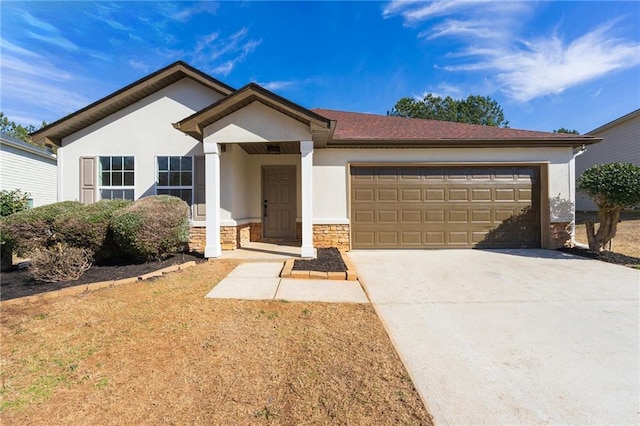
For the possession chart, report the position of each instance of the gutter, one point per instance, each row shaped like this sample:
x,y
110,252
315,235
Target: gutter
x,y
572,190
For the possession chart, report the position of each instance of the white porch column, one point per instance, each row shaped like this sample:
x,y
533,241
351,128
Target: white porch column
x,y
212,198
306,172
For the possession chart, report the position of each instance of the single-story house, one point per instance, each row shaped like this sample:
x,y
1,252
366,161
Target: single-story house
x,y
28,168
255,166
621,143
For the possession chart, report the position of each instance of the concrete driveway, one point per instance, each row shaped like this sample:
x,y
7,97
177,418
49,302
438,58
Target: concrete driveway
x,y
511,336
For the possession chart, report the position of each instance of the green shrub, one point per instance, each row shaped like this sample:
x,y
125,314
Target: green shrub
x,y
60,263
34,229
614,187
89,227
13,201
152,227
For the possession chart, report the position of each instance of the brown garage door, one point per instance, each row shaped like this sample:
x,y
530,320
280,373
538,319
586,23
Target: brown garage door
x,y
445,207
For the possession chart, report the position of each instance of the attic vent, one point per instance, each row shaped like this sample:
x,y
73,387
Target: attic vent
x,y
273,149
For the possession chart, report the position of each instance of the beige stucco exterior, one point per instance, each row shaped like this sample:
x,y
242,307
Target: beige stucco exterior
x,y
331,173
142,130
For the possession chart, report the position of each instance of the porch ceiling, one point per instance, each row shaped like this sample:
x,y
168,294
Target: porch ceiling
x,y
263,147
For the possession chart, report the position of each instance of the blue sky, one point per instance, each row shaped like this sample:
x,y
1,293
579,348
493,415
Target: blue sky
x,y
548,64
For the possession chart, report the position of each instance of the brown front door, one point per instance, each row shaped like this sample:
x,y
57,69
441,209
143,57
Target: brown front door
x,y
279,201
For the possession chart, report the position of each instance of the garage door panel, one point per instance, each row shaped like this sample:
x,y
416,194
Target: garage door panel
x,y
411,216
505,194
436,194
387,238
411,238
458,238
409,195
457,194
458,216
481,194
384,195
524,194
440,207
434,216
364,216
388,216
364,195
434,238
481,216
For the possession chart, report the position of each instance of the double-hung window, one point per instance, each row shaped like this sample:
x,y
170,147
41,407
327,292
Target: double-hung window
x,y
117,177
175,177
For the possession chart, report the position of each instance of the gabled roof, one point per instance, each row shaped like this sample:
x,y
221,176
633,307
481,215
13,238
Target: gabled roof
x,y
244,96
358,129
615,122
54,132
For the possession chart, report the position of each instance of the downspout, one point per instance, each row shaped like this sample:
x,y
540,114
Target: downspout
x,y
572,190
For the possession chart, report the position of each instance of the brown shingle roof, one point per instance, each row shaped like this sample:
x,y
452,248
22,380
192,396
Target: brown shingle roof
x,y
353,126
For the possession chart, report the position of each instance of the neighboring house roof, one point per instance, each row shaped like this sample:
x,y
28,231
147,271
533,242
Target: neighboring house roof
x,y
24,146
54,132
371,129
244,96
615,122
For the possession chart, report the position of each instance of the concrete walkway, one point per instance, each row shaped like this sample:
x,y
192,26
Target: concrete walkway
x,y
261,281
511,336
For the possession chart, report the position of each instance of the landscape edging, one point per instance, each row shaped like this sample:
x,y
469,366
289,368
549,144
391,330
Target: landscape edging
x,y
349,275
91,287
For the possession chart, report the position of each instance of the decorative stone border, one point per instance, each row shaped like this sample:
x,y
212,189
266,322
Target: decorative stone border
x,y
350,275
88,288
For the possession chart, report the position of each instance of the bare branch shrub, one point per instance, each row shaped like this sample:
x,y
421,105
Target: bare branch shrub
x,y
60,263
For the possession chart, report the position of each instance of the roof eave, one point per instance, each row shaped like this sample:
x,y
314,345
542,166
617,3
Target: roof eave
x,y
248,94
53,133
464,143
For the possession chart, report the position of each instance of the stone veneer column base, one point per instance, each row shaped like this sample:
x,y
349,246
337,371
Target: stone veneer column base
x,y
560,233
325,236
231,237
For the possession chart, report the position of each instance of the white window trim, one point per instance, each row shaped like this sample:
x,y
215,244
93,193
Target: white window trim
x,y
157,177
100,187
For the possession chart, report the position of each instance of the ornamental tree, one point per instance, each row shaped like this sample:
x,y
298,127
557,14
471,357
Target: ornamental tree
x,y
613,187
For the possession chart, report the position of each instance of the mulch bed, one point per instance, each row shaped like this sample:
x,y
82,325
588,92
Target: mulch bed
x,y
605,256
19,282
328,260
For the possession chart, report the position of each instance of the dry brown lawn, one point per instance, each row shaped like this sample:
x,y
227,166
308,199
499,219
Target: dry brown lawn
x,y
627,239
157,352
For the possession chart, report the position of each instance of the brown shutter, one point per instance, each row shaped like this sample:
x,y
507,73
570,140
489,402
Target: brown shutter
x,y
199,189
87,180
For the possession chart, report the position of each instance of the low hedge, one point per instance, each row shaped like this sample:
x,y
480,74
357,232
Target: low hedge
x,y
89,227
34,229
152,228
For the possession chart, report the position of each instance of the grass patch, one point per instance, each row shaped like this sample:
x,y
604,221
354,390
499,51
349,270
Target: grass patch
x,y
157,352
627,236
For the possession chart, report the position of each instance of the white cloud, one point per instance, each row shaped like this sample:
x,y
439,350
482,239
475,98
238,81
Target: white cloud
x,y
55,40
443,90
278,85
224,69
139,65
549,66
231,50
522,68
184,15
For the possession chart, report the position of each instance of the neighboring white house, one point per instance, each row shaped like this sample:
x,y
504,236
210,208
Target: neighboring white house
x,y
28,168
621,143
255,166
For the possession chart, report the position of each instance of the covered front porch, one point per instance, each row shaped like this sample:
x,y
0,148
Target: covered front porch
x,y
258,171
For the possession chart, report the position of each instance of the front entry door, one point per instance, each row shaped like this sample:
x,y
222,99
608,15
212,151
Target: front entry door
x,y
279,201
